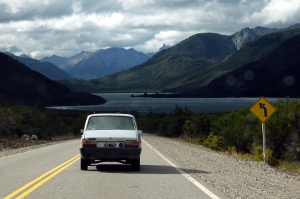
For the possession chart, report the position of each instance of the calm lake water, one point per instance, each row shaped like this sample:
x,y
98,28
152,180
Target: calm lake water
x,y
124,102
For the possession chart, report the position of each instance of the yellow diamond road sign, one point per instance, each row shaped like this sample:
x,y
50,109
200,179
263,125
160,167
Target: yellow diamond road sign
x,y
262,109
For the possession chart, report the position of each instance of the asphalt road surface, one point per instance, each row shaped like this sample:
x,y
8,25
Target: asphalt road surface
x,y
54,172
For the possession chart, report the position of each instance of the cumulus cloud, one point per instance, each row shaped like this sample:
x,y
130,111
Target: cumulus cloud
x,y
65,28
17,10
276,11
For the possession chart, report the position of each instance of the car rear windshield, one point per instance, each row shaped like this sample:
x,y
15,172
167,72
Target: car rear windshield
x,y
110,123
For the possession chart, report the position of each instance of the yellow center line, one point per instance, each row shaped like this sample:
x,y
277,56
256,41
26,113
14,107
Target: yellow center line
x,y
54,172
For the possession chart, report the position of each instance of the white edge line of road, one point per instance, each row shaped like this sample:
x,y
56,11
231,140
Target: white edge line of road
x,y
191,179
36,149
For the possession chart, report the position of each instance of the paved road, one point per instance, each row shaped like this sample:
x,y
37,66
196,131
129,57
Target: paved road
x,y
53,172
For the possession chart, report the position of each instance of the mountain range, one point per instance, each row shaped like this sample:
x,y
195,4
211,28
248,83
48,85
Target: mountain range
x,y
86,65
65,63
203,65
46,68
276,74
194,63
22,86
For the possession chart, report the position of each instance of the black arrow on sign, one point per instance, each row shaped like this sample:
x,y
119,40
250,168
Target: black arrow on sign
x,y
262,106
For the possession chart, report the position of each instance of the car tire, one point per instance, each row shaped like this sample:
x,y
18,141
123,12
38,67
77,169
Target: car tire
x,y
136,164
83,164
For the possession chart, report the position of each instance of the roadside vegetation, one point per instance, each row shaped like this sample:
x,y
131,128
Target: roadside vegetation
x,y
46,124
237,133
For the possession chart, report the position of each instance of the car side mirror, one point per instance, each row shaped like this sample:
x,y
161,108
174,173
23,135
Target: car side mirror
x,y
140,132
81,131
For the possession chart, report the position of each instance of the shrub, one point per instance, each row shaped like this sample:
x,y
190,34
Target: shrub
x,y
189,129
271,160
214,142
232,150
258,155
196,140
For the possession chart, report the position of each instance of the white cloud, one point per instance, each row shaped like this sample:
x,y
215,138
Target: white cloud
x,y
121,37
43,28
278,11
172,35
134,4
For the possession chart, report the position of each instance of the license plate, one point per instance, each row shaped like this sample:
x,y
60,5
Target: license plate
x,y
110,144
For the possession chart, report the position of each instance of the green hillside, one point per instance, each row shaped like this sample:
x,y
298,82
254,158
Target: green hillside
x,y
193,63
251,52
275,75
168,68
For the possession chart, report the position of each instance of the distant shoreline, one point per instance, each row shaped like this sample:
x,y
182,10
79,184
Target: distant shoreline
x,y
162,95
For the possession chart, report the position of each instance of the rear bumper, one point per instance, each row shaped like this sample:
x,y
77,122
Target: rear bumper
x,y
110,153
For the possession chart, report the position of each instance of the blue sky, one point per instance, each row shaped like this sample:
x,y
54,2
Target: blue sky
x,y
42,28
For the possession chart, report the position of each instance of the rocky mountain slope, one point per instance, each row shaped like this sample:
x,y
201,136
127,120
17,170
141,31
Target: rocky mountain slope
x,y
247,35
66,63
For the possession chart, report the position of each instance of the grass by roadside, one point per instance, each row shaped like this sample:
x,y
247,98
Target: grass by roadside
x,y
289,166
254,156
281,165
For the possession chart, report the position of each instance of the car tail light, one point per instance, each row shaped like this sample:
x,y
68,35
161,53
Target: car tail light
x,y
132,144
88,143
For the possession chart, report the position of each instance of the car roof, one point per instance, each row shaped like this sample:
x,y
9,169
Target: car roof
x,y
111,114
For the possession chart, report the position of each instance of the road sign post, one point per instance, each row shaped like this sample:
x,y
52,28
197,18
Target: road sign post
x,y
263,126
263,110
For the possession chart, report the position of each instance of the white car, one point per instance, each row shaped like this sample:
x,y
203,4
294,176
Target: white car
x,y
110,138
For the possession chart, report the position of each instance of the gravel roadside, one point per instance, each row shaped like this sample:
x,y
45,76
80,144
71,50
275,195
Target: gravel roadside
x,y
236,177
21,148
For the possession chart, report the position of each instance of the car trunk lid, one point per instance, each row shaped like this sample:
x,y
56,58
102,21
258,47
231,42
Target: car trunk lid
x,y
111,134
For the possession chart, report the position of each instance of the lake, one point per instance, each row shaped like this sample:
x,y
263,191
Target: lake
x,y
123,102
